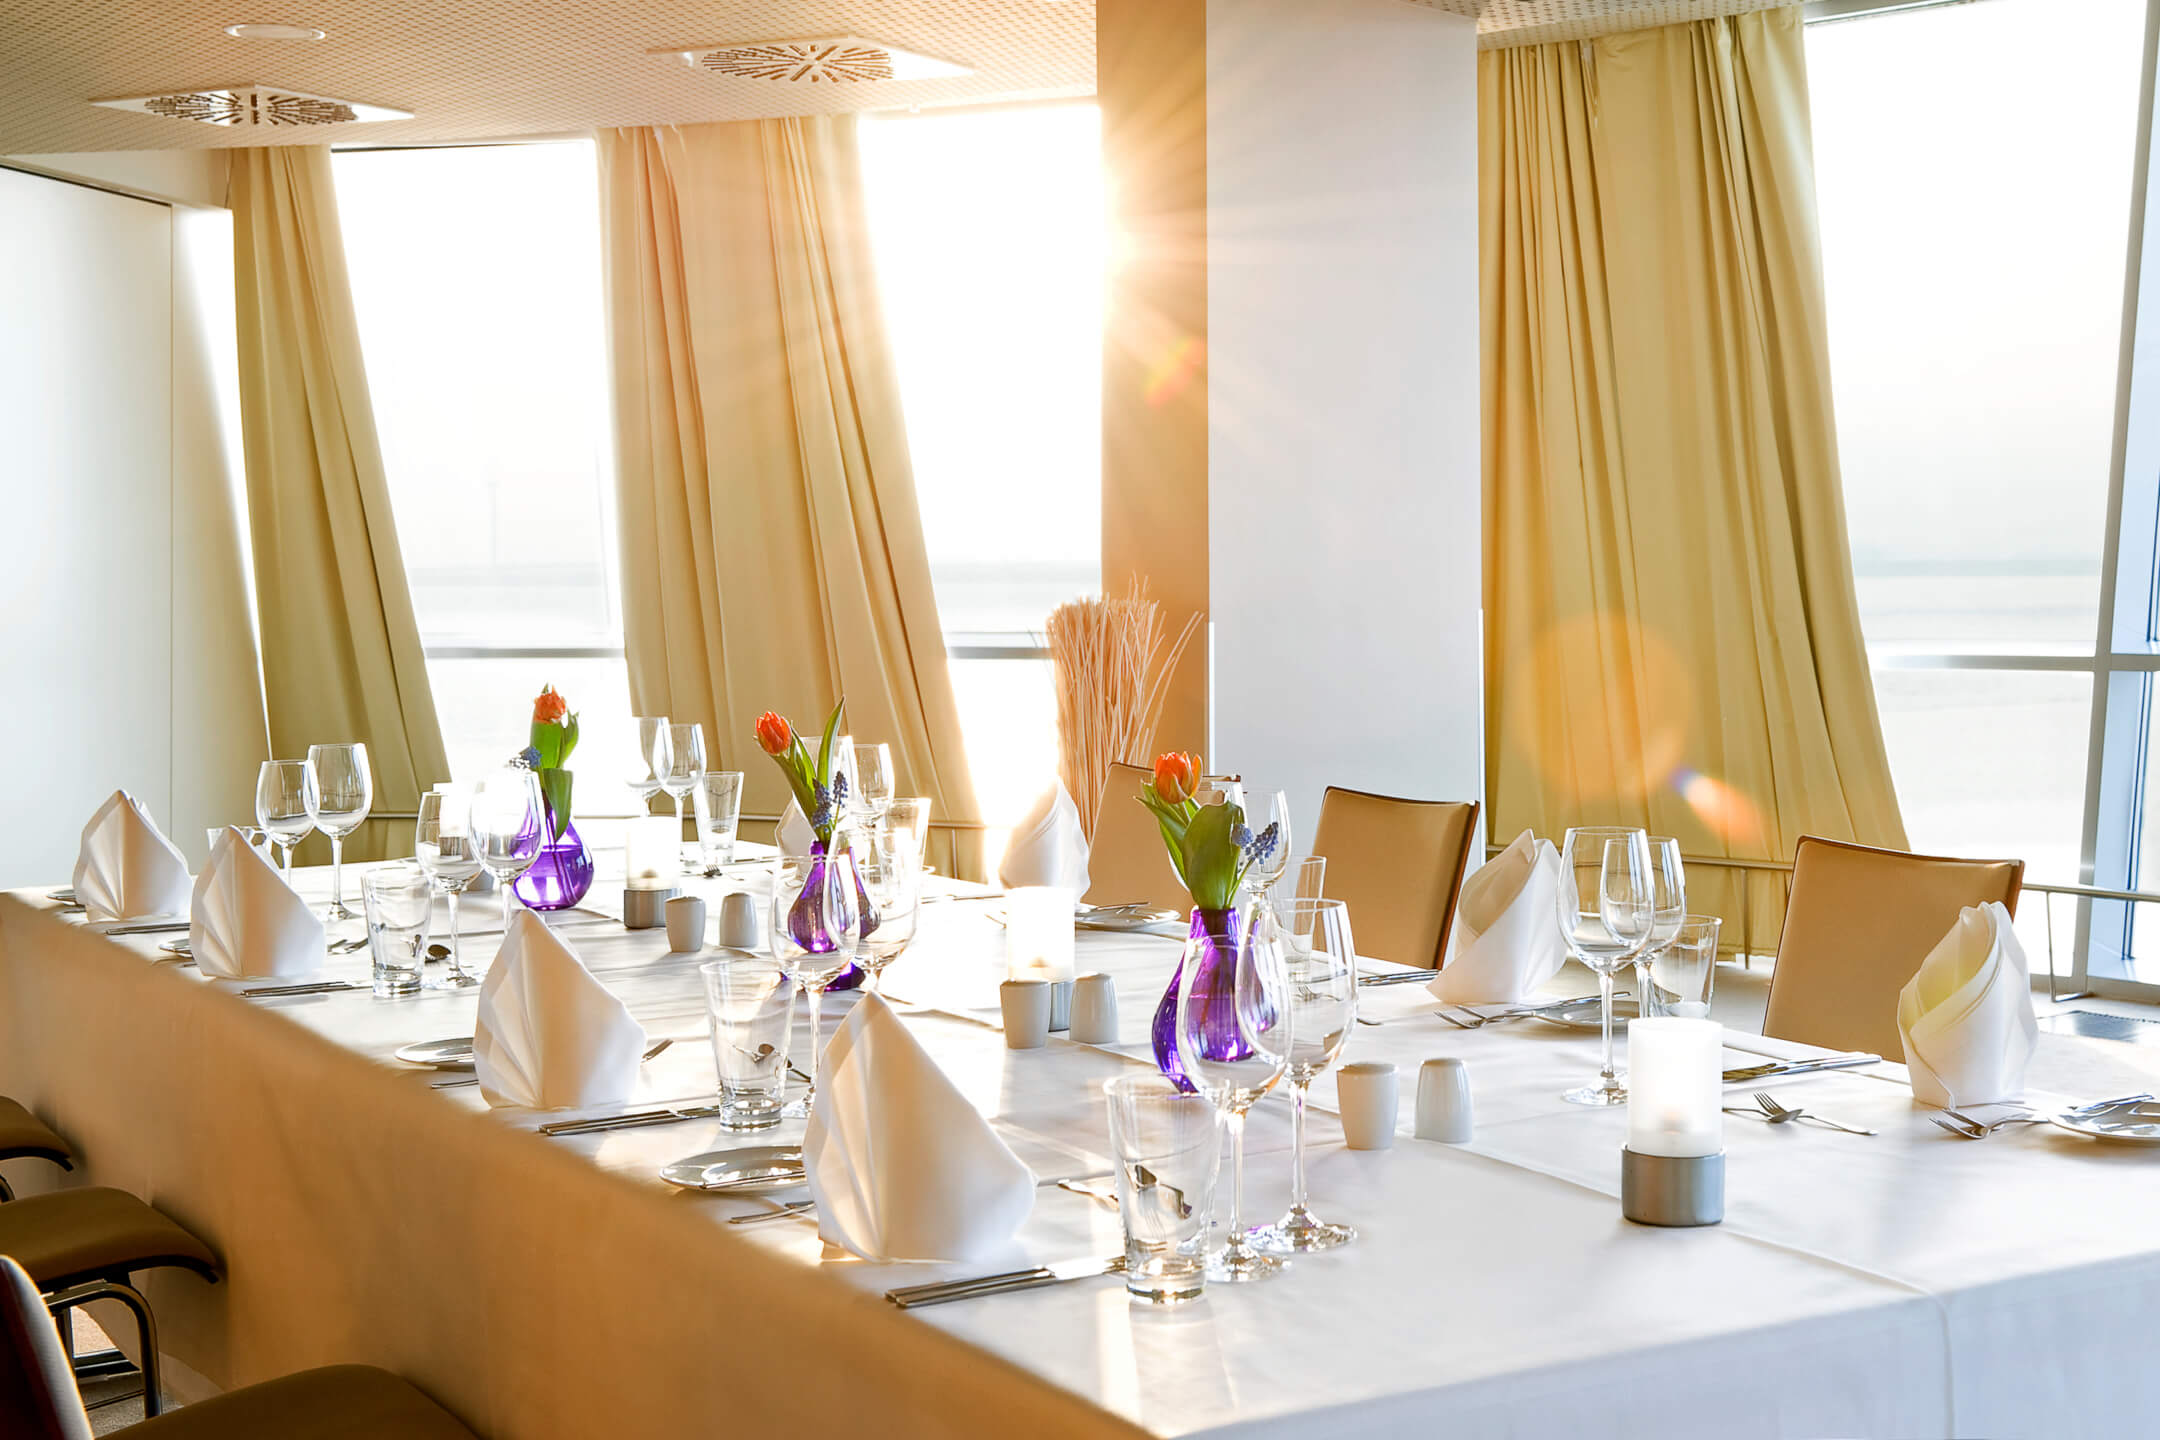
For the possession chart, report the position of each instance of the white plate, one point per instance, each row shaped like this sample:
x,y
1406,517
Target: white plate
x,y
1124,921
178,947
456,1053
780,1167
2145,1130
1584,1015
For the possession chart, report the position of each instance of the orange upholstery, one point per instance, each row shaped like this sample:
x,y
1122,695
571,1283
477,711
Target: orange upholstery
x,y
1127,861
1398,865
73,1236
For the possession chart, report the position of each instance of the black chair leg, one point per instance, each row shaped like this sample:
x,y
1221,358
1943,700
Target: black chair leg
x,y
64,1304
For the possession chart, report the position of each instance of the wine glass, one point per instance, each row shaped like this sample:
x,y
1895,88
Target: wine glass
x,y
816,928
509,824
892,883
1234,1034
685,763
871,781
281,806
1320,964
1262,809
1308,878
443,844
340,792
1607,909
907,821
1668,879
652,759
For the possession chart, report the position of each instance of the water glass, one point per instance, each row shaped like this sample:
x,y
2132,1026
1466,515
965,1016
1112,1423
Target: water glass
x,y
907,820
399,900
1168,1147
1677,980
340,792
750,1001
281,806
719,807
1305,880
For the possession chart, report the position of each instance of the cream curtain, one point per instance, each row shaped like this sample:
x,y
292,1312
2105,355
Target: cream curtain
x,y
773,554
341,654
1674,639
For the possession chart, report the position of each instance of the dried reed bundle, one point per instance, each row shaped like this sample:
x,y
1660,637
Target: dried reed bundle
x,y
1113,658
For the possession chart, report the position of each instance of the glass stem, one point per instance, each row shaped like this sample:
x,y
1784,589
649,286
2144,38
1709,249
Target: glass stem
x,y
1237,1178
337,872
815,994
1605,986
457,956
1297,1149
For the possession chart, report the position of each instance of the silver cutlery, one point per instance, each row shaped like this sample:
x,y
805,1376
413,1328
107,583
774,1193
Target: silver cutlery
x,y
1780,1115
1971,1127
1477,1020
145,927
1102,1189
1778,1068
791,1210
655,1050
910,1296
474,1079
1399,977
2098,1107
630,1121
324,987
346,947
762,1177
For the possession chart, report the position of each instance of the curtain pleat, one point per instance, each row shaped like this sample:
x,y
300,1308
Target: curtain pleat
x,y
773,555
341,655
1673,633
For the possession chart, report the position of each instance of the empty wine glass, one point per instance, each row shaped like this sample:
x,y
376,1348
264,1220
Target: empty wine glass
x,y
1607,908
1668,881
685,763
443,844
907,820
510,825
1234,1037
1320,966
340,793
816,930
1262,809
892,883
871,781
281,806
651,761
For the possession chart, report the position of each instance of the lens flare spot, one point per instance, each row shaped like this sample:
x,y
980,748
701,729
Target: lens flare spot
x,y
1173,371
1728,814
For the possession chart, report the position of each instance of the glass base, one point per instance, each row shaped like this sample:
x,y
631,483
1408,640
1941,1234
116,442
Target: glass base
x,y
454,982
757,1113
1597,1094
1300,1232
1164,1280
339,910
1240,1263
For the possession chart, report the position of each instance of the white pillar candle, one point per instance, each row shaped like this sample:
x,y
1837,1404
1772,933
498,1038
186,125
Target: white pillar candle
x,y
652,852
1676,1087
1039,933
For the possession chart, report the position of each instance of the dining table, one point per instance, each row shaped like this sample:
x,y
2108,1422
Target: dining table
x,y
1904,1283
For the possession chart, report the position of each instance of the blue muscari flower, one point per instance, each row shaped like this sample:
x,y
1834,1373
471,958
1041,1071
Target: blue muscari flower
x,y
839,789
1241,836
1258,850
527,758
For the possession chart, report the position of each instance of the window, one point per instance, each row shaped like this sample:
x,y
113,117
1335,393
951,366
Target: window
x,y
988,230
476,276
1975,168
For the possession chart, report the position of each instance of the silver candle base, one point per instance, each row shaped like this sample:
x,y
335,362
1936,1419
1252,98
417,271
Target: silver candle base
x,y
646,909
1672,1190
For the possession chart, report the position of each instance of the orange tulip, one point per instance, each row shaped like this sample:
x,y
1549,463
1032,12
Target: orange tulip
x,y
549,707
774,734
1177,775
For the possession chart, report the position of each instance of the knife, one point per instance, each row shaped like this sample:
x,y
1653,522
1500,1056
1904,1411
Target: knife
x,y
629,1121
1777,1068
1057,1273
1397,977
145,927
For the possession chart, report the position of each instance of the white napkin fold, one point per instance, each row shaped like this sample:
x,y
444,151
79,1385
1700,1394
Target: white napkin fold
x,y
126,867
1967,1015
548,1035
793,834
247,922
1506,941
900,1164
1048,847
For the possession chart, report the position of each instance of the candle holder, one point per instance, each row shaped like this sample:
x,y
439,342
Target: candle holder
x,y
1039,943
652,855
1672,1169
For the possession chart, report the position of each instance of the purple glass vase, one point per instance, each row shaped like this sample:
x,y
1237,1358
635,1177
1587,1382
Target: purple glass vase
x,y
806,917
1211,953
562,874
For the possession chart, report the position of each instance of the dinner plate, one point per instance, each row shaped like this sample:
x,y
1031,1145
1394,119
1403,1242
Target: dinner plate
x,y
455,1053
1123,921
65,895
752,1170
2141,1127
179,947
1583,1015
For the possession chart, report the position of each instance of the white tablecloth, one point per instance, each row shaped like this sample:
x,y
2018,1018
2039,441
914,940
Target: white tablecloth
x,y
1909,1284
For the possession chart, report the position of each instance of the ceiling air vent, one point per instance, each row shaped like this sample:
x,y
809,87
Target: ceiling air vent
x,y
831,59
248,106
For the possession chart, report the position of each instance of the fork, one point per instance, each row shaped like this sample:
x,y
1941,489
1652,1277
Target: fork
x,y
1969,1127
1779,1115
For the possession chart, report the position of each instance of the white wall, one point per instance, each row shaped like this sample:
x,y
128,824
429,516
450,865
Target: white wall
x,y
125,637
1344,486
183,177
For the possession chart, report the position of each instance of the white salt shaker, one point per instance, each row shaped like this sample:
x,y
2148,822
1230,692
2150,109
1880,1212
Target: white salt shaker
x,y
1094,1010
739,927
1443,1102
1366,1095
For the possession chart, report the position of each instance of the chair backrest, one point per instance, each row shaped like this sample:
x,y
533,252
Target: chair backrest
x,y
38,1398
1858,922
1398,865
1127,860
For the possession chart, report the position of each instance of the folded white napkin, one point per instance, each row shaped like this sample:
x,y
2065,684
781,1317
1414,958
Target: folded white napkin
x,y
1506,941
793,834
1967,1015
1048,847
549,1036
247,922
126,868
900,1164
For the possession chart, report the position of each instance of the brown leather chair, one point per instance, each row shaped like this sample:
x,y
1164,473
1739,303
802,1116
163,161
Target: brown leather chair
x,y
1127,861
1858,922
39,1401
1398,865
23,1136
82,1245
